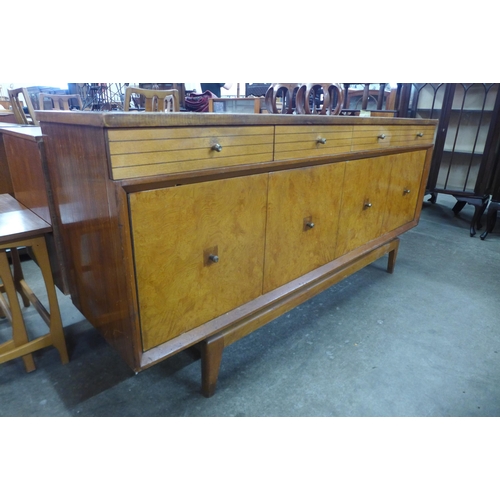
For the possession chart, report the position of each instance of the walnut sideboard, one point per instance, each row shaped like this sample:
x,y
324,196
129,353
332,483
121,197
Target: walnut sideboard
x,y
183,229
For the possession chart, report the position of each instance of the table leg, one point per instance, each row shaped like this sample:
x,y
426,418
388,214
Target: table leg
x,y
18,275
55,324
19,334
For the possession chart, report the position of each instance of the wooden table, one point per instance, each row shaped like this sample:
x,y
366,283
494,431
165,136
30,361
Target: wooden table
x,y
23,173
19,226
7,116
198,228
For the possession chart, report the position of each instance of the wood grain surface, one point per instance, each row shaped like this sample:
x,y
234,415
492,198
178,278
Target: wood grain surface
x,y
175,230
297,197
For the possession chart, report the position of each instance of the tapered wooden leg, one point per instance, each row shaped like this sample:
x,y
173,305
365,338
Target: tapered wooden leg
x,y
19,334
392,257
211,357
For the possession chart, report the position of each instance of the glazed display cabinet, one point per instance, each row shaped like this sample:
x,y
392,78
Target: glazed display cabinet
x,y
463,164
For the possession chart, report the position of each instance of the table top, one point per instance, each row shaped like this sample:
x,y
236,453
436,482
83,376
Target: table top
x,y
125,119
18,222
29,132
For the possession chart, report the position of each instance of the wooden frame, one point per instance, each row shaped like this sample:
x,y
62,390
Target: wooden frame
x,y
18,108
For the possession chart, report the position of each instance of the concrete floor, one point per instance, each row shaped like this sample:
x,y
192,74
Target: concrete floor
x,y
421,342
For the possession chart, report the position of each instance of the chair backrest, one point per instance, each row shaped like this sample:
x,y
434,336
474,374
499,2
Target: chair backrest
x,y
60,101
18,107
155,100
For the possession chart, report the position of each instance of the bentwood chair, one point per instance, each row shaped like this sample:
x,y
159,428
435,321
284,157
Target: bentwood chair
x,y
18,107
60,101
155,100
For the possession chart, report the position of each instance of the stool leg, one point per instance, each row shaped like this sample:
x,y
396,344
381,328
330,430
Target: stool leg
x,y
19,334
55,328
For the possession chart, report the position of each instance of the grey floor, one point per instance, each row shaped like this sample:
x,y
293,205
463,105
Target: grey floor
x,y
421,342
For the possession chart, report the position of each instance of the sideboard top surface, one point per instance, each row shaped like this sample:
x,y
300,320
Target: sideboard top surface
x,y
135,119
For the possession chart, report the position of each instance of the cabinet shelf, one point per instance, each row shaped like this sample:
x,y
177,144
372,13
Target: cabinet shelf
x,y
462,152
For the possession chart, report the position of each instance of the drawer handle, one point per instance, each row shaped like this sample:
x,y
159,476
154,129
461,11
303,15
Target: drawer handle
x,y
214,258
368,205
420,134
381,136
310,224
406,191
217,147
321,140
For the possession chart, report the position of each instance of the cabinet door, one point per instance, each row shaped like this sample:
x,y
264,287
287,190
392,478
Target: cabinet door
x,y
363,203
302,221
404,188
380,194
198,250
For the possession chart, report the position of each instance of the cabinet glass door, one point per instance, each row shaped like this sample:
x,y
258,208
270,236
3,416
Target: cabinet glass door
x,y
427,99
470,117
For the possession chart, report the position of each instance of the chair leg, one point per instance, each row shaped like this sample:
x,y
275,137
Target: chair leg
x,y
19,334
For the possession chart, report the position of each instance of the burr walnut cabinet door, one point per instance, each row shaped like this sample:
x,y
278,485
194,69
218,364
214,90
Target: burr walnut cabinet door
x,y
364,202
198,250
406,171
380,194
302,221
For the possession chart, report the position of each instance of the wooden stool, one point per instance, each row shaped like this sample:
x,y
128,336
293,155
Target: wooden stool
x,y
20,227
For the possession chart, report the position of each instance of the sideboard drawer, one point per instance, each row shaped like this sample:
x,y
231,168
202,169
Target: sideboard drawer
x,y
295,142
385,136
147,152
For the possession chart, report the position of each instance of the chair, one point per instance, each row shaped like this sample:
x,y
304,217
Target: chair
x,y
20,227
156,100
319,98
380,102
18,107
284,91
60,101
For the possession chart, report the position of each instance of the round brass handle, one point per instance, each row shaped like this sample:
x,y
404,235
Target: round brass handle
x,y
310,224
420,134
406,191
368,205
217,147
321,140
381,136
214,258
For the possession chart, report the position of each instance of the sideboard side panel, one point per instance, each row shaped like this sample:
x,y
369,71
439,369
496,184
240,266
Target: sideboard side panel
x,y
90,220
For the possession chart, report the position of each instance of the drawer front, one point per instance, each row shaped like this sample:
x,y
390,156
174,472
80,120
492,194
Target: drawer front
x,y
295,142
146,152
198,252
380,136
302,221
